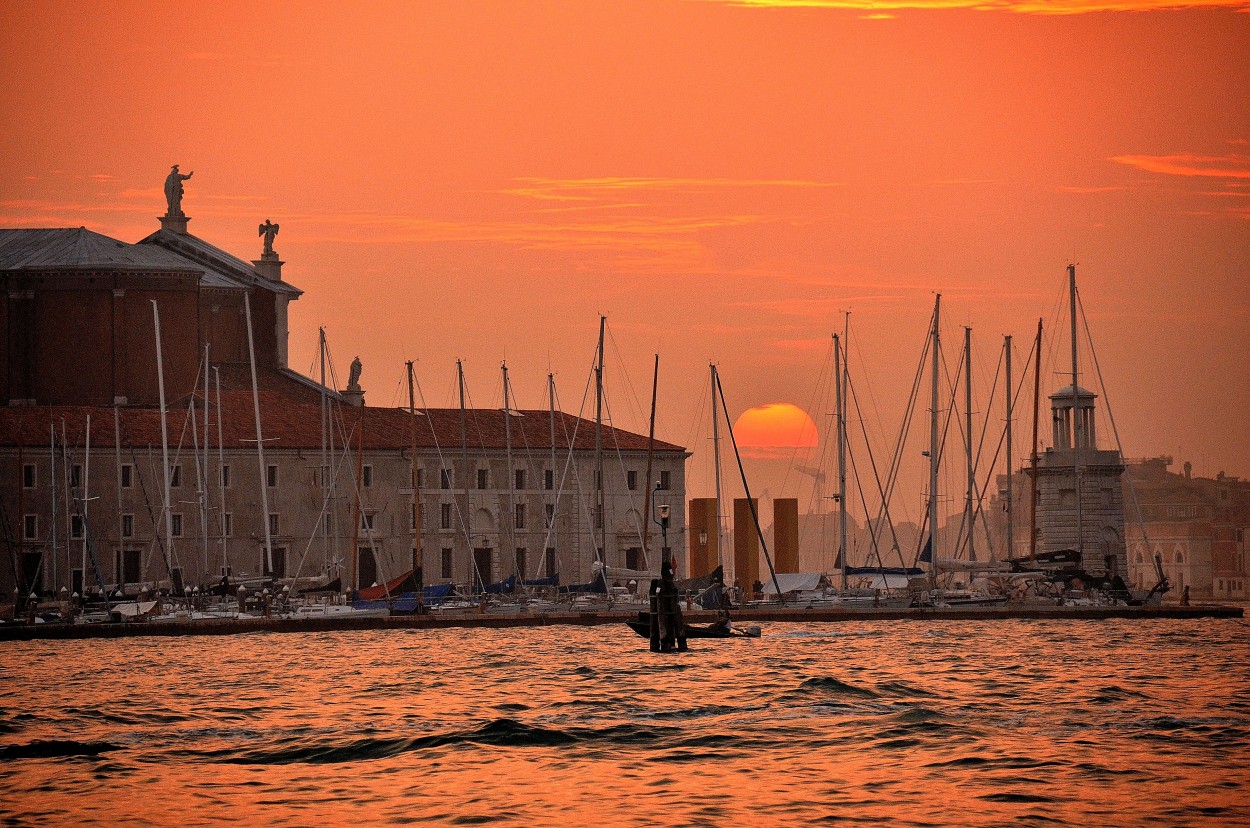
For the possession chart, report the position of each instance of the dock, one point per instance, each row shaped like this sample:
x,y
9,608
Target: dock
x,y
758,615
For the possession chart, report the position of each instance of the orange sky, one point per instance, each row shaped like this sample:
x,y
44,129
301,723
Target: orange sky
x,y
722,179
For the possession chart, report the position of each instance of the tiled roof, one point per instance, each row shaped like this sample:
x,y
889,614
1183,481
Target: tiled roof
x,y
212,260
291,419
78,248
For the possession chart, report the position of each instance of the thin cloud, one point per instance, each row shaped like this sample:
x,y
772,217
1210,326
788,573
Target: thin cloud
x,y
595,189
1088,190
1208,166
1047,7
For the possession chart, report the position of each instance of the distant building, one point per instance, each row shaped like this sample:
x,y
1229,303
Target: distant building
x,y
1194,527
496,497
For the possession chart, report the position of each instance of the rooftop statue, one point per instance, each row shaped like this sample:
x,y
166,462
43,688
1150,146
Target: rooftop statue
x,y
353,376
173,190
268,230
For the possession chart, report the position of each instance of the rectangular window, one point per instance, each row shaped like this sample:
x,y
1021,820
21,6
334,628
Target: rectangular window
x,y
549,479
128,526
177,523
631,480
227,524
175,476
520,561
598,479
666,480
30,527
366,521
520,516
551,562
225,476
420,478
444,516
598,517
28,476
444,479
483,478
278,570
75,526
550,510
75,476
128,472
412,517
366,476
271,476
273,524
446,563
520,479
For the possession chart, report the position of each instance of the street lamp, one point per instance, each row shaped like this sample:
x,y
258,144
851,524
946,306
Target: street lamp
x,y
661,518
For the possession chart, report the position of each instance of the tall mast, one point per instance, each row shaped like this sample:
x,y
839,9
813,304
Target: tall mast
x,y
720,545
1037,393
838,371
260,440
86,498
418,558
1078,432
646,489
117,462
933,448
325,464
221,464
52,480
160,385
552,528
1011,551
972,480
601,542
467,519
509,480
205,494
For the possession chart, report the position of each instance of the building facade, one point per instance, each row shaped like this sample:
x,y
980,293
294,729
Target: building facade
x,y
329,492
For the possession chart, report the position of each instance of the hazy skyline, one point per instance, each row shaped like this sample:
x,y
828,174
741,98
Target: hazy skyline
x,y
722,179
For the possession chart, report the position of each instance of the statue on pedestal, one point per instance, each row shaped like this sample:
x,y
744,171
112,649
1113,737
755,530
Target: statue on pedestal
x,y
268,230
353,376
173,190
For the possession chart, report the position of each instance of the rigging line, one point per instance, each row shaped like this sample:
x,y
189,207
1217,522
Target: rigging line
x,y
950,414
1114,428
859,486
632,400
620,457
896,461
325,506
985,423
816,402
885,507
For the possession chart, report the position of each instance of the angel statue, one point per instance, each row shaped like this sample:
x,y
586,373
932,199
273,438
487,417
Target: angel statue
x,y
268,230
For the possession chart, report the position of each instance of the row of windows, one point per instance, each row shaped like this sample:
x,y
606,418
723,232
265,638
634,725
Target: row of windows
x,y
521,554
30,526
30,477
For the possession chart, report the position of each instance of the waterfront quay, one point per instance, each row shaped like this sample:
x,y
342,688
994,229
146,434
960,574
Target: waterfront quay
x,y
760,615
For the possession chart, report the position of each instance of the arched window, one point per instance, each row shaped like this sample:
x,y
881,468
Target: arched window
x,y
1180,557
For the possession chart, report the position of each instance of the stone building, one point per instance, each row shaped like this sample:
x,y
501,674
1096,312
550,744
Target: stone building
x,y
1195,527
495,497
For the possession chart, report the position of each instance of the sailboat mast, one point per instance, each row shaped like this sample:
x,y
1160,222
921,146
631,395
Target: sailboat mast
x,y
52,481
1037,393
324,471
418,558
260,440
720,545
206,495
1011,550
601,542
553,527
467,519
221,475
646,489
1077,430
933,448
972,480
838,372
510,480
117,462
86,499
160,386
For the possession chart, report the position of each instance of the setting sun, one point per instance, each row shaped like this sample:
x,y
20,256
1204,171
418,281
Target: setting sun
x,y
768,430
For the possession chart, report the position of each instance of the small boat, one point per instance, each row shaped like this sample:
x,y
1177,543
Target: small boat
x,y
717,629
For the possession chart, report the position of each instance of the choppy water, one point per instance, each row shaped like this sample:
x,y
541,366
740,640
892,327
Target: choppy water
x,y
899,723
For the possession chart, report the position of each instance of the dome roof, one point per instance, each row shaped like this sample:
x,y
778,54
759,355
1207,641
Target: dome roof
x,y
1065,393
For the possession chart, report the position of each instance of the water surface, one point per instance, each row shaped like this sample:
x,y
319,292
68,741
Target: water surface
x,y
900,723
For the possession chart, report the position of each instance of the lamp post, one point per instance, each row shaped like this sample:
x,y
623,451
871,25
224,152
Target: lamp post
x,y
660,517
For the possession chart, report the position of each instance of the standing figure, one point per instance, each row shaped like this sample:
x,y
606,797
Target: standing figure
x,y
173,190
353,376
